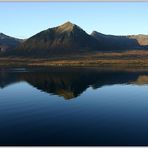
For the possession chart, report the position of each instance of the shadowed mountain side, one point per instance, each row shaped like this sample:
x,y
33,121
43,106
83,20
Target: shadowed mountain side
x,y
65,39
122,42
8,43
116,43
73,82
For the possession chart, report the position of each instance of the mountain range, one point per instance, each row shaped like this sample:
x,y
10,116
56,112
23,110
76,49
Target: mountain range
x,y
69,39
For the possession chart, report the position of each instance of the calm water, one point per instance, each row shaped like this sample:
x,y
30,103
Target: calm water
x,y
62,106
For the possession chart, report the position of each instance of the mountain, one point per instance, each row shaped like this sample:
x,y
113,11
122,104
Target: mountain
x,y
7,42
122,42
69,39
65,39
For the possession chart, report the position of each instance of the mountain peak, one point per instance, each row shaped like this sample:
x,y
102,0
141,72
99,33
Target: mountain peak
x,y
68,23
98,33
68,26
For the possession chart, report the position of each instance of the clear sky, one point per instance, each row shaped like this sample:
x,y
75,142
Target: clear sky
x,y
24,19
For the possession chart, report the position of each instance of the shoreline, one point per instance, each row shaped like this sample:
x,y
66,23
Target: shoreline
x,y
105,65
120,60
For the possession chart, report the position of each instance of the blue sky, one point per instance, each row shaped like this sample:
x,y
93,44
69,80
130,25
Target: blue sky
x,y
24,19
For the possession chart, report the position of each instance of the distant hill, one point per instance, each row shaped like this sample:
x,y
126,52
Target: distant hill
x,y
65,39
122,42
7,42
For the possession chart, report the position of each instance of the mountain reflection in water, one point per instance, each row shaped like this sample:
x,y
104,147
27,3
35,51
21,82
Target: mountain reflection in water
x,y
70,82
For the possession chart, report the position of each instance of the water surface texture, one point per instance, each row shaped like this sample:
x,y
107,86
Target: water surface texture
x,y
73,106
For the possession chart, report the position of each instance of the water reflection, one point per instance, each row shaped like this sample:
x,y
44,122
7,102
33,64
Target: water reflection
x,y
70,82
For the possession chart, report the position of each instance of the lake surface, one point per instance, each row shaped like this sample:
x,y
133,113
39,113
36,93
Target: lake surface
x,y
73,106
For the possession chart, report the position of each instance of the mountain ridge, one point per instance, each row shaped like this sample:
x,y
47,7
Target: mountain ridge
x,y
69,38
